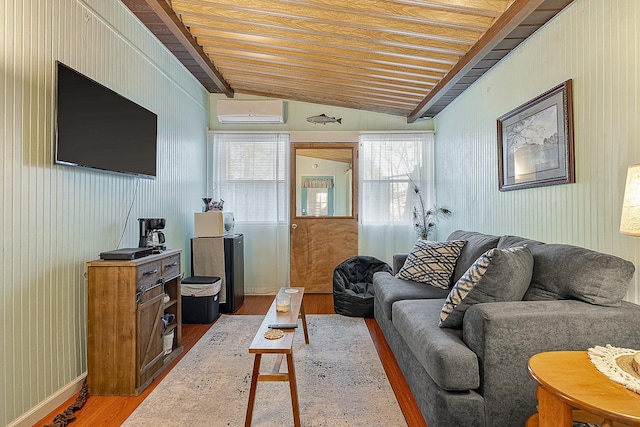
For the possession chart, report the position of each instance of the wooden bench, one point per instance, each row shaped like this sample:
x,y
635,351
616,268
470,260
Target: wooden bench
x,y
282,347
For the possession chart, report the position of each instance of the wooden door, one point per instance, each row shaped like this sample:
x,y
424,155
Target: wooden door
x,y
324,221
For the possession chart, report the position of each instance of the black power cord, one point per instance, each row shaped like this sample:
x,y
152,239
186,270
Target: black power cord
x,y
126,221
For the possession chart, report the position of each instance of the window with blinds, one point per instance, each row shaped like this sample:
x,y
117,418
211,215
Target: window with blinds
x,y
251,173
387,164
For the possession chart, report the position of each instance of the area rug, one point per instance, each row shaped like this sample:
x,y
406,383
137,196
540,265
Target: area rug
x,y
340,380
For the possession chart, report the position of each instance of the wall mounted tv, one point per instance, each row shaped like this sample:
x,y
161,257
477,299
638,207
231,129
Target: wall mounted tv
x,y
100,129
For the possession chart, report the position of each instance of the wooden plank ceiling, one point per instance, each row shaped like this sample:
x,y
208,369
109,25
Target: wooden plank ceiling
x,y
402,57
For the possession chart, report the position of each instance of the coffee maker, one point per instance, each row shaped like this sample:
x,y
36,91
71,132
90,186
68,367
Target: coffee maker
x,y
150,234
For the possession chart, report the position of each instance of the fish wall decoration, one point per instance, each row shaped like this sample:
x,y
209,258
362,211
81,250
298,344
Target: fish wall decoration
x,y
323,119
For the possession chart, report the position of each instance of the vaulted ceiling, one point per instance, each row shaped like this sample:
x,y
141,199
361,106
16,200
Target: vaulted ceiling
x,y
403,57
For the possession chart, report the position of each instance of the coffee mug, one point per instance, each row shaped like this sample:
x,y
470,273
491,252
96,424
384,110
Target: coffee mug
x,y
167,319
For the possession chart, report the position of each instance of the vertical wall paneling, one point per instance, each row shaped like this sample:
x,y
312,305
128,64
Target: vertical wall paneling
x,y
55,218
597,44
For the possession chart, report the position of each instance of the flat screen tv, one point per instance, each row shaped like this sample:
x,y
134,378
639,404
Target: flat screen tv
x,y
100,129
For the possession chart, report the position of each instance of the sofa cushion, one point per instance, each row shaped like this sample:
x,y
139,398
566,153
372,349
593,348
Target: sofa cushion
x,y
398,261
432,262
441,351
497,275
388,289
514,241
571,272
477,244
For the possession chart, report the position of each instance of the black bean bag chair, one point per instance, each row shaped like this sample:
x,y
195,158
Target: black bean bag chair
x,y
353,285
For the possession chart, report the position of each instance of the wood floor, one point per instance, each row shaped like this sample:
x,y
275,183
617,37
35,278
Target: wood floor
x,y
113,410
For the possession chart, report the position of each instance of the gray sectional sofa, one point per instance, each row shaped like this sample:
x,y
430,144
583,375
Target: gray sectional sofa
x,y
476,375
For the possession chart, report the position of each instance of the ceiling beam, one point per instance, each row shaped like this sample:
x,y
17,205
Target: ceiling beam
x,y
178,29
512,17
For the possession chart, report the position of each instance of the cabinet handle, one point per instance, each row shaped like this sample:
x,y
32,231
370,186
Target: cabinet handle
x,y
172,264
149,273
141,292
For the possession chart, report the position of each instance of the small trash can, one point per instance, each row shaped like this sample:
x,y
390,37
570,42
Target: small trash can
x,y
353,285
200,299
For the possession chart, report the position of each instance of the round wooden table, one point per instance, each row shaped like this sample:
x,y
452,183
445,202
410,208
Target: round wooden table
x,y
567,380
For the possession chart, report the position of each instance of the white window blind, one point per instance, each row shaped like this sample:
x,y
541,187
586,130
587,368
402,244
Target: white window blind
x,y
387,163
250,173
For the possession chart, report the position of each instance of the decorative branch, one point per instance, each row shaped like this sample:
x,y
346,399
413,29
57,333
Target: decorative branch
x,y
424,220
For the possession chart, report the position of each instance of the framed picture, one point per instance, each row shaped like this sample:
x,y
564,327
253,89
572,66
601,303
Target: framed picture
x,y
535,142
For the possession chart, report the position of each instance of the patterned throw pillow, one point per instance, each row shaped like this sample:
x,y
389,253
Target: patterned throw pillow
x,y
497,275
432,262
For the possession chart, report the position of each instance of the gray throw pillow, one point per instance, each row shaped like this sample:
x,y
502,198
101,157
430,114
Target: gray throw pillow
x,y
497,275
477,244
572,272
432,262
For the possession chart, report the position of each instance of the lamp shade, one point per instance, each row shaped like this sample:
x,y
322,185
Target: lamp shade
x,y
630,220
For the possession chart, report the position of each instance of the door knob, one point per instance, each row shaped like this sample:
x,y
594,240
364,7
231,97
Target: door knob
x,y
294,226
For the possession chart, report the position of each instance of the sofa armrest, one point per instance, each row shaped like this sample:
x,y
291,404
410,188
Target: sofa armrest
x,y
505,335
537,326
398,262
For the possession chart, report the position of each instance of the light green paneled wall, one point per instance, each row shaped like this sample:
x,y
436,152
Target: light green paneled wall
x,y
54,218
297,113
596,43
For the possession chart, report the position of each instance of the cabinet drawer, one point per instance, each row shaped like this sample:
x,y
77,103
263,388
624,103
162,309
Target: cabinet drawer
x,y
148,274
171,267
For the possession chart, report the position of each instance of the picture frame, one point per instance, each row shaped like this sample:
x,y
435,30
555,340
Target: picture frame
x,y
535,142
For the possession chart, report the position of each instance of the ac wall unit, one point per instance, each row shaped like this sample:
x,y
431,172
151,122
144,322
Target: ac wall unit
x,y
251,111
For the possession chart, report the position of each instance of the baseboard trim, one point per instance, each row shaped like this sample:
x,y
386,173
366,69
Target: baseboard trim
x,y
49,405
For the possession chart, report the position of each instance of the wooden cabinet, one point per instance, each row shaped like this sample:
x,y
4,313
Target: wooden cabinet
x,y
126,307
